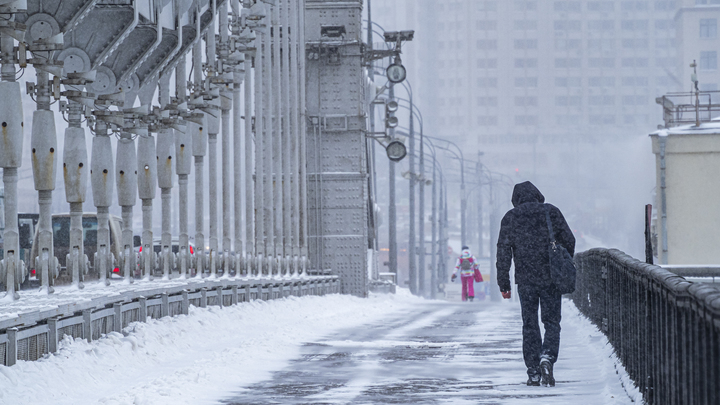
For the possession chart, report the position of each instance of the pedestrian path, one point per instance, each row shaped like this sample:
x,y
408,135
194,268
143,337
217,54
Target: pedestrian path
x,y
444,353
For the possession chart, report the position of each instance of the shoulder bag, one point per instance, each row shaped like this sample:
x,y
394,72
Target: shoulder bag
x,y
562,266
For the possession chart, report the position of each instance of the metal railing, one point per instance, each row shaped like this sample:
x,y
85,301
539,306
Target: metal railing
x,y
664,329
690,108
20,341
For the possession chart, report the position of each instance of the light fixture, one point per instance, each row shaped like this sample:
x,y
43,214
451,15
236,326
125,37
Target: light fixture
x,y
396,151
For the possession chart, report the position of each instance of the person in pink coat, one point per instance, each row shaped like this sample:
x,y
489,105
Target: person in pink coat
x,y
466,266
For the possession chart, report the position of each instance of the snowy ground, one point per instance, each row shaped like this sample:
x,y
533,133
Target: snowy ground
x,y
332,349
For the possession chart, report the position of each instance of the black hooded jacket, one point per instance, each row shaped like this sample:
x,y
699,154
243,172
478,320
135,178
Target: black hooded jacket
x,y
524,237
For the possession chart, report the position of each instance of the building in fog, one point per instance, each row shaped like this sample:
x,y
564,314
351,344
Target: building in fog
x,y
697,37
558,92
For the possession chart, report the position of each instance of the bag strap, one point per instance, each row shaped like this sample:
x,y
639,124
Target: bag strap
x,y
549,225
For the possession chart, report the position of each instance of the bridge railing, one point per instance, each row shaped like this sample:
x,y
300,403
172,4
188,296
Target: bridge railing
x,y
664,329
31,336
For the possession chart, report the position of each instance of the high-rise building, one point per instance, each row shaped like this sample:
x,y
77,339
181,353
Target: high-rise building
x,y
561,93
698,41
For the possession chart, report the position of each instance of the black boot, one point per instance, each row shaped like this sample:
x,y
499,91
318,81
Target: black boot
x,y
533,380
546,369
471,298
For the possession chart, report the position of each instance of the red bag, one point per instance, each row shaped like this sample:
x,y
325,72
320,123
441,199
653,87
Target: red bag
x,y
478,276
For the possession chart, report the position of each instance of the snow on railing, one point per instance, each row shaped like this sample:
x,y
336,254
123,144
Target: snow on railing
x,y
30,336
665,329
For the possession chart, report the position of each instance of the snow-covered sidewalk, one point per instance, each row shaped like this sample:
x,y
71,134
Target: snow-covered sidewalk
x,y
214,354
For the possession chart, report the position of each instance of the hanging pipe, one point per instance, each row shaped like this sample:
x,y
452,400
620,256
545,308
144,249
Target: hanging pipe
x,y
225,106
44,144
102,177
259,158
75,172
250,223
294,135
237,146
268,143
199,148
183,165
11,116
303,139
164,159
213,118
126,172
147,183
286,139
277,142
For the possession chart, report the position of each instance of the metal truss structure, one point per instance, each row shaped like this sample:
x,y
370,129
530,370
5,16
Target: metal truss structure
x,y
103,62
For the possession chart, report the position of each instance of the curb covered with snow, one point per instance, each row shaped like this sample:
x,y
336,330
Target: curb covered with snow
x,y
184,359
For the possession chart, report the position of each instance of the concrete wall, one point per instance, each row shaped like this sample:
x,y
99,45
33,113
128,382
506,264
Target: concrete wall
x,y
692,197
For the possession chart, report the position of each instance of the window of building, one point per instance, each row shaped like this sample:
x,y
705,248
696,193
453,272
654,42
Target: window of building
x,y
635,62
601,81
634,25
487,101
572,63
486,25
526,44
487,63
601,100
486,44
635,43
528,101
526,63
601,119
571,101
634,100
487,120
664,25
634,5
665,5
601,62
486,5
487,82
708,28
525,5
601,44
568,81
664,43
567,44
708,60
567,25
526,82
564,120
664,81
567,6
601,25
664,62
635,81
602,6
525,25
526,120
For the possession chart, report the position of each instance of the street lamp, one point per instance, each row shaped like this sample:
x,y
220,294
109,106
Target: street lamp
x,y
463,197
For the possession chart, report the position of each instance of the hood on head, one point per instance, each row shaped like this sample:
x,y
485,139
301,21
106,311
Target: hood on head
x,y
526,192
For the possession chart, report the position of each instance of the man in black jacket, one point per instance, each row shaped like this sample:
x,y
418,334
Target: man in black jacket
x,y
524,238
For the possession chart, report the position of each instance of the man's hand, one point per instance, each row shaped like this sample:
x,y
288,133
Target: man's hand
x,y
505,294
453,277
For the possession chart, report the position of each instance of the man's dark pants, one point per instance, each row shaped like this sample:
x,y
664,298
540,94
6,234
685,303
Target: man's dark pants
x,y
534,347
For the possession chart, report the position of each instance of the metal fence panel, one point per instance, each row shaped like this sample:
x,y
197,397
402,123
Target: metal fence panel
x,y
664,329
